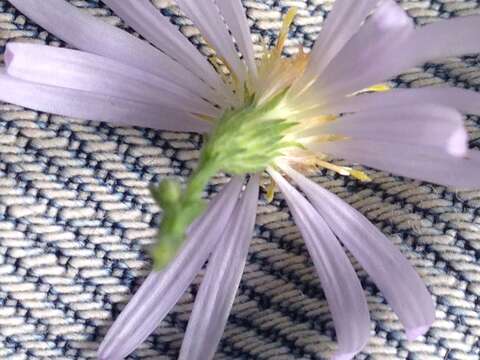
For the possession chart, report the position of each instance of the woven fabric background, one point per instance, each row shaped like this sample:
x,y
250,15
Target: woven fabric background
x,y
76,219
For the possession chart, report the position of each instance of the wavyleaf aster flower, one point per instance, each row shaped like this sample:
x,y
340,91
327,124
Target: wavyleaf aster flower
x,y
285,116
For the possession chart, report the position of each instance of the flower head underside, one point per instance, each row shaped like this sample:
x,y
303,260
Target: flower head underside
x,y
267,125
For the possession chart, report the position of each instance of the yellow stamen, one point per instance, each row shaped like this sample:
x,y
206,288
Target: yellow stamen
x,y
374,88
380,88
344,170
338,169
287,22
271,191
360,175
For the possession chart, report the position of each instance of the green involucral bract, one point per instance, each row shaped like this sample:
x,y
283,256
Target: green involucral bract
x,y
244,140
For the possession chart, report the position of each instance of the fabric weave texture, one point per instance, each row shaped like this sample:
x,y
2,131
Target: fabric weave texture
x,y
76,221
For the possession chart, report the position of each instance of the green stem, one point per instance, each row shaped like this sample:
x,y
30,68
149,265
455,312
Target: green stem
x,y
180,209
199,179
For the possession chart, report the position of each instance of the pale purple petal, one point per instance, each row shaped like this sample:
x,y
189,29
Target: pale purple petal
x,y
234,14
161,290
90,34
418,162
147,20
341,25
445,38
343,291
224,272
79,70
367,56
465,101
454,37
424,125
206,16
392,273
90,106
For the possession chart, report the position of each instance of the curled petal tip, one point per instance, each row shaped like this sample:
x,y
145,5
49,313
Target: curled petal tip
x,y
413,334
458,143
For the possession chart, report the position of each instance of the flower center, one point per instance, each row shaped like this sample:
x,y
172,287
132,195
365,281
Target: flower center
x,y
265,98
269,125
273,87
